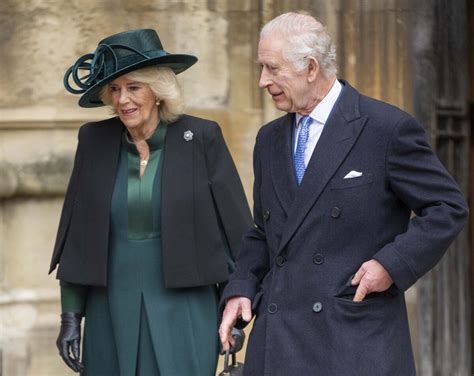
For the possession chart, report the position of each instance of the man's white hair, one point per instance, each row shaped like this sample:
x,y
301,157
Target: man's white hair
x,y
305,36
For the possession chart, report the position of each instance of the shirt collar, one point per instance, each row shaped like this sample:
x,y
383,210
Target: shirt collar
x,y
323,109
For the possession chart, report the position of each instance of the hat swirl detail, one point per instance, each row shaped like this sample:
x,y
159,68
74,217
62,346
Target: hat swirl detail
x,y
95,63
115,56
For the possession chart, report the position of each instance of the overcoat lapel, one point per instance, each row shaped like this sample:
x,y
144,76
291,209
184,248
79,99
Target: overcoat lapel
x,y
339,135
282,170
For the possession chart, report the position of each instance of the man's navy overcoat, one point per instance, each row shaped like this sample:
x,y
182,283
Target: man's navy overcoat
x,y
308,241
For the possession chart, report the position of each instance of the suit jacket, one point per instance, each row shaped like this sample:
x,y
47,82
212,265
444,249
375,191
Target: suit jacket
x,y
308,241
204,209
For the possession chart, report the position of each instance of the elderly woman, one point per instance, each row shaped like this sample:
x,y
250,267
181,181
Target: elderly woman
x,y
151,222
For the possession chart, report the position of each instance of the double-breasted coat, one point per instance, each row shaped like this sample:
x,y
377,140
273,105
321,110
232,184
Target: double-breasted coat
x,y
308,241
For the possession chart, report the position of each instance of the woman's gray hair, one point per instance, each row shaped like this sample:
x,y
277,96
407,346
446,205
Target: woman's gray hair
x,y
163,83
305,36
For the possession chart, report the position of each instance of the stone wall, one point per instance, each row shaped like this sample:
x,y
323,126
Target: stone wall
x,y
39,39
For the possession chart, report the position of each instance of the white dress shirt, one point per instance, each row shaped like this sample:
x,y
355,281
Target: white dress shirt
x,y
319,115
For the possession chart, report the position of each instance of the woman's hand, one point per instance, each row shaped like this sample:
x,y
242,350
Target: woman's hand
x,y
69,340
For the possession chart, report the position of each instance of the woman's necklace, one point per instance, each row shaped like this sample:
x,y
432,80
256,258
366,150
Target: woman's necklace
x,y
143,160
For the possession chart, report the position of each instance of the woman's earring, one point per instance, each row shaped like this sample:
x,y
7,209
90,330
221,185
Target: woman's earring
x,y
157,101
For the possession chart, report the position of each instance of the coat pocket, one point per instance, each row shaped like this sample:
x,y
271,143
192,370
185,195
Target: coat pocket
x,y
347,293
371,332
351,182
368,316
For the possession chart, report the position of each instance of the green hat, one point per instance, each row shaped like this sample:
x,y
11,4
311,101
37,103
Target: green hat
x,y
119,54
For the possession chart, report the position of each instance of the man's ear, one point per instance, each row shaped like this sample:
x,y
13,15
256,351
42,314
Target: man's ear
x,y
312,69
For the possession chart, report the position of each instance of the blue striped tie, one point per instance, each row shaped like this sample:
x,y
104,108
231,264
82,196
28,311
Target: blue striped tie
x,y
298,158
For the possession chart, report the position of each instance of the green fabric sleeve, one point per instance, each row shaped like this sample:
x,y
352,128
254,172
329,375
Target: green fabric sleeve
x,y
73,297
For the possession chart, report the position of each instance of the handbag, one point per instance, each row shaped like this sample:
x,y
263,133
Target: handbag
x,y
233,369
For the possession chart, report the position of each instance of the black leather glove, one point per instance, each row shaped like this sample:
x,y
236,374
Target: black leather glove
x,y
239,339
69,340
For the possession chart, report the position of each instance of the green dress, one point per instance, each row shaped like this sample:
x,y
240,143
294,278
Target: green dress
x,y
135,326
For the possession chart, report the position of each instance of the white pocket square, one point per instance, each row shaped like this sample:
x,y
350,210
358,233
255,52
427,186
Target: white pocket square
x,y
353,174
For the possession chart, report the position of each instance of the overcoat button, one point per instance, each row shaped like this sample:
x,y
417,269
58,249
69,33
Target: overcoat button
x,y
335,212
317,307
318,258
272,308
266,215
280,260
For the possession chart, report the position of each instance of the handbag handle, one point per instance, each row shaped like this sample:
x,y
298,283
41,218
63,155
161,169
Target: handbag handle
x,y
227,368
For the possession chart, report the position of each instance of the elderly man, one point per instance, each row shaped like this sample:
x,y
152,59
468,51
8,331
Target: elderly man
x,y
334,247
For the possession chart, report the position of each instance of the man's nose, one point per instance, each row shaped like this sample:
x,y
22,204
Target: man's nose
x,y
264,81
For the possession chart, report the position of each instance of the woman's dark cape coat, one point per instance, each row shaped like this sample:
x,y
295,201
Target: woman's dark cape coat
x,y
203,205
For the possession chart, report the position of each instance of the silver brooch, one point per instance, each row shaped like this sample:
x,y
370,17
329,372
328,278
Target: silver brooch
x,y
188,135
